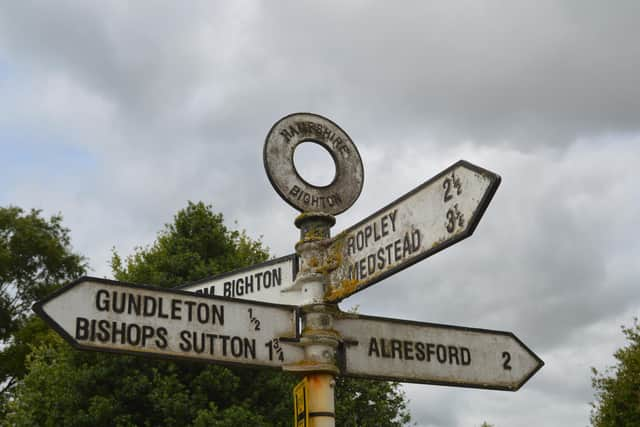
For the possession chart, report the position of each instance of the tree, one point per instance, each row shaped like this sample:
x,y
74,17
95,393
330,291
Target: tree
x,y
35,259
617,389
71,388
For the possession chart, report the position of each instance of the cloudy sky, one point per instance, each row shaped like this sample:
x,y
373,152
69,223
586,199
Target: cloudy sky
x,y
117,114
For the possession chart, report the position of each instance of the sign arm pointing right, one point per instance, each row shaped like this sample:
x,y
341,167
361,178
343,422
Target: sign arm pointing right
x,y
437,214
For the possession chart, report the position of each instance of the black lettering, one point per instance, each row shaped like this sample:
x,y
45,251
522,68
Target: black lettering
x,y
161,313
397,249
376,234
82,328
408,350
453,354
368,231
121,307
362,265
351,245
420,351
218,313
103,334
147,333
406,247
134,304
266,279
371,264
441,353
93,330
203,313
277,276
430,351
396,347
416,240
258,277
131,339
465,356
385,349
248,284
161,340
228,289
198,344
176,308
185,344
249,348
373,347
149,306
384,225
381,260
236,347
190,305
102,300
360,240
225,339
115,331
239,286
392,216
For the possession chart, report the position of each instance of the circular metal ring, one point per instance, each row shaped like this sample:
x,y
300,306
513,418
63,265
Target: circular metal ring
x,y
279,146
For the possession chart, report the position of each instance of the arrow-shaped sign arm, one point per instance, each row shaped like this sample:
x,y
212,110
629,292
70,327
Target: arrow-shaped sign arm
x,y
437,214
429,353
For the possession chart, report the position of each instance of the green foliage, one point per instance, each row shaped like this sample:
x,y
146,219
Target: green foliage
x,y
370,403
197,244
35,259
71,388
617,390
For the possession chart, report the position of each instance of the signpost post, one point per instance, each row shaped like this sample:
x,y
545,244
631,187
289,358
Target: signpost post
x,y
283,313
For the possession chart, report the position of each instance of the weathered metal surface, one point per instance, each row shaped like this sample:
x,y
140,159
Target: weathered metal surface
x,y
432,217
103,315
270,281
321,400
399,350
280,144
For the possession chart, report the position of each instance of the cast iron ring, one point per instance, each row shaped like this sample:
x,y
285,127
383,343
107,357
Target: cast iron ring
x,y
279,146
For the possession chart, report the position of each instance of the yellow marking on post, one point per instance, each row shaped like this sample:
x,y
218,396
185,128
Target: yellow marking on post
x,y
301,404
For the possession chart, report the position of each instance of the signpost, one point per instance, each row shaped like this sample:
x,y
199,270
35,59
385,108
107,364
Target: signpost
x,y
406,351
104,315
241,318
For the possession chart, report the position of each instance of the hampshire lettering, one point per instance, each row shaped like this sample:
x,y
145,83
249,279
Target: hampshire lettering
x,y
307,129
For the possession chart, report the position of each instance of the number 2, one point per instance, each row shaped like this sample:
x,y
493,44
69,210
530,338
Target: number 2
x,y
506,356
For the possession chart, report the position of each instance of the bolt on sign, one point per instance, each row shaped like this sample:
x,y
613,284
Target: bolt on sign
x,y
301,404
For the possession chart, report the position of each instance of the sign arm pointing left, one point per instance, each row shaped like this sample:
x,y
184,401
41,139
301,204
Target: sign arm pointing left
x,y
109,316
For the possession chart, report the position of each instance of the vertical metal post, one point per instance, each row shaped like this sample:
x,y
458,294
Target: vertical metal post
x,y
318,338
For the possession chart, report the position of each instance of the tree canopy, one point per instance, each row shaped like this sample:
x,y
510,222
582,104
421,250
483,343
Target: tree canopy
x,y
35,259
617,389
72,388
